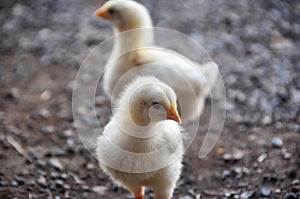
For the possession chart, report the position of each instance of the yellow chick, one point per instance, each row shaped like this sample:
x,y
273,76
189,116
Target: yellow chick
x,y
190,85
142,144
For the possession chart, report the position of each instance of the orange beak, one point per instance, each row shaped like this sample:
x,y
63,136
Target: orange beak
x,y
101,12
173,114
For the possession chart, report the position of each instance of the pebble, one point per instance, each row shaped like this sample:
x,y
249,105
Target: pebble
x,y
13,93
44,113
262,157
66,186
42,181
90,166
101,190
265,191
14,183
247,194
48,129
64,176
85,187
236,155
20,180
68,133
40,163
226,173
60,152
287,155
277,142
268,177
59,183
45,96
55,163
70,143
290,196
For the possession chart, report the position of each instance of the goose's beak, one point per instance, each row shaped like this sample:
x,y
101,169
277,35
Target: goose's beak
x,y
173,114
101,12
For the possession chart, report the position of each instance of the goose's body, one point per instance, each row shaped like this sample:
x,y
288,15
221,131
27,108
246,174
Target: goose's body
x,y
191,81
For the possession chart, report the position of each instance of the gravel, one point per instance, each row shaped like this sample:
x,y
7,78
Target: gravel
x,y
256,47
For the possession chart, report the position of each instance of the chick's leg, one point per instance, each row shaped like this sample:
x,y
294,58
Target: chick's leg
x,y
139,193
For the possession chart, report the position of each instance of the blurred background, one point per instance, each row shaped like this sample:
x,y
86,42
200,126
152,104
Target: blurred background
x,y
255,44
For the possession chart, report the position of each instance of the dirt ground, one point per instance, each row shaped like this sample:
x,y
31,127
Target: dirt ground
x,y
256,45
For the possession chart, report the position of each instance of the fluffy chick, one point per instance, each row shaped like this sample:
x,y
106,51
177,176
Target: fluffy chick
x,y
142,144
190,85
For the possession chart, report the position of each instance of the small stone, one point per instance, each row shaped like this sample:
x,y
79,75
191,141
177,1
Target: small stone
x,y
41,163
262,157
236,155
20,180
59,183
54,175
268,177
42,181
130,197
66,186
247,194
60,152
277,142
44,113
68,133
226,173
70,143
220,151
53,186
101,190
90,166
296,182
266,120
13,93
55,163
85,187
14,183
265,191
48,129
64,176
45,96
290,195
287,155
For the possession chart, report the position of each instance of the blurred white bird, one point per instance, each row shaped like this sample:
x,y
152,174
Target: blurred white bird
x,y
142,144
191,81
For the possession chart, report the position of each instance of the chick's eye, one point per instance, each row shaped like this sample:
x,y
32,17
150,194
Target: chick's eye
x,y
155,105
111,11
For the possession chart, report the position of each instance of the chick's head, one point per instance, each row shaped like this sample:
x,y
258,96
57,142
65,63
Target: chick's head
x,y
124,14
150,100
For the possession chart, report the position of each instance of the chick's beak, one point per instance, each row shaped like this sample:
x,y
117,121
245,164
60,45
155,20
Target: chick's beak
x,y
173,114
101,12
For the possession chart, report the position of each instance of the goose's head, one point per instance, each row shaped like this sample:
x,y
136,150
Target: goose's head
x,y
124,14
149,100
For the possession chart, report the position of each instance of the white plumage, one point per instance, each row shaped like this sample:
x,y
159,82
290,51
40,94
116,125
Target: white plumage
x,y
142,144
191,81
